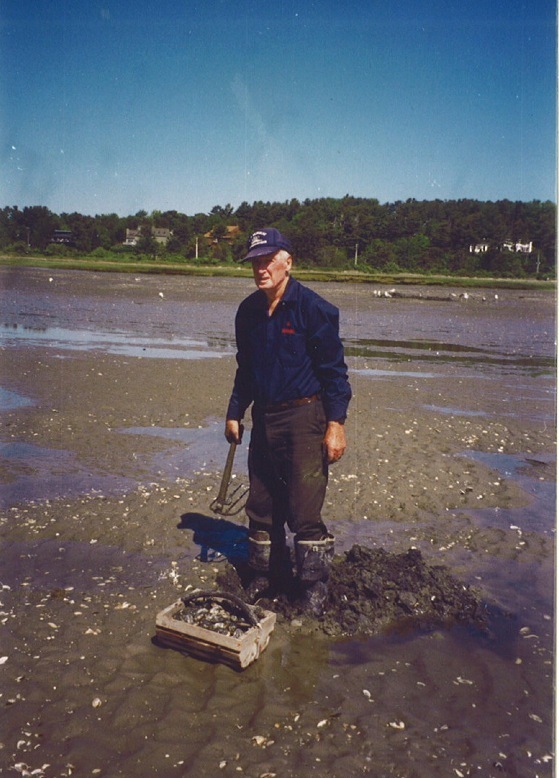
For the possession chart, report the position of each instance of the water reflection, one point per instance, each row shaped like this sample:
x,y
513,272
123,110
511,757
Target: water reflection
x,y
202,448
33,473
377,373
453,411
57,564
119,343
11,400
440,352
539,515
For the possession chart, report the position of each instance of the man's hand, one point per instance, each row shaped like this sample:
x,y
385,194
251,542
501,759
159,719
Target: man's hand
x,y
233,431
334,441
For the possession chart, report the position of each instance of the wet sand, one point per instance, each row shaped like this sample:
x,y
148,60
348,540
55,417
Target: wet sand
x,y
87,691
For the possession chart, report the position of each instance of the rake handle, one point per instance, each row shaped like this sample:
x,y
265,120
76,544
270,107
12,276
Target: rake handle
x,y
226,477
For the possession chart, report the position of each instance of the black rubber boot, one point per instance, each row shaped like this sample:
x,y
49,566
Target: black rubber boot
x,y
314,559
259,553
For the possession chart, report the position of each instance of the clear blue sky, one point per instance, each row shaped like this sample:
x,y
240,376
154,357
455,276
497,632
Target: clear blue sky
x,y
121,105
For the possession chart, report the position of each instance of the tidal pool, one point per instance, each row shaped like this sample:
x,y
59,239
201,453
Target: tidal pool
x,y
124,344
10,400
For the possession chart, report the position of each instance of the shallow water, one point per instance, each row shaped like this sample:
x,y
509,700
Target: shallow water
x,y
539,515
35,473
122,344
58,564
10,400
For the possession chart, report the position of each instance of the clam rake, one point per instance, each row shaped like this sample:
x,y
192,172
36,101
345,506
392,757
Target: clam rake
x,y
229,503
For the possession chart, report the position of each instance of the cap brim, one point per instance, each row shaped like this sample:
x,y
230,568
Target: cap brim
x,y
261,251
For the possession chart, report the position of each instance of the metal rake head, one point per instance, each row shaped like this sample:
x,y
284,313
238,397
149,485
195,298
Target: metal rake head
x,y
232,503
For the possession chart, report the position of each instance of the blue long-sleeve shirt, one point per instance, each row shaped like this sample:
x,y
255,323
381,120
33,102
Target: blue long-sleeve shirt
x,y
296,352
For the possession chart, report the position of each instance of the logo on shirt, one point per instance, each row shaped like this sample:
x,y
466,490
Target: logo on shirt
x,y
288,329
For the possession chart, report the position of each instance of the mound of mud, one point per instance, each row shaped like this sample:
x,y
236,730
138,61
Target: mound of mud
x,y
373,591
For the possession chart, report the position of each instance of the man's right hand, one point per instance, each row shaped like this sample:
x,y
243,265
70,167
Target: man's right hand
x,y
233,431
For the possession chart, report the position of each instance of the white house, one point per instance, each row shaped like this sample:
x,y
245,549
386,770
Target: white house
x,y
160,234
480,248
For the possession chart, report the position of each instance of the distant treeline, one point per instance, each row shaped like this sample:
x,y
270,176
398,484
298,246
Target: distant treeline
x,y
465,237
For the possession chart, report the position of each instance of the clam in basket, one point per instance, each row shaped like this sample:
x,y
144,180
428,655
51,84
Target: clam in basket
x,y
217,627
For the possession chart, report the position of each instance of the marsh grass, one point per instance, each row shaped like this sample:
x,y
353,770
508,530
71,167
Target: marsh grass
x,y
170,267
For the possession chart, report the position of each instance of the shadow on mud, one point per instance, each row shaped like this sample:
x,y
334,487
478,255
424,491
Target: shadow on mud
x,y
219,539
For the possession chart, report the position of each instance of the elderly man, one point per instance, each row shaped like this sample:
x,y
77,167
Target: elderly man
x,y
290,366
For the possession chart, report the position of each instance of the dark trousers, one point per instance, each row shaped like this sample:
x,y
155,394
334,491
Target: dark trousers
x,y
288,472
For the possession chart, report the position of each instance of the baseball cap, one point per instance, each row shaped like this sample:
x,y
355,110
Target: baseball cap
x,y
266,241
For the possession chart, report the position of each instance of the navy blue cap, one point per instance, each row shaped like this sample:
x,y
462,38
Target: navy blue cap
x,y
266,241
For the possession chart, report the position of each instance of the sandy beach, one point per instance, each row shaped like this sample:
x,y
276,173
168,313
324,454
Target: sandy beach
x,y
459,467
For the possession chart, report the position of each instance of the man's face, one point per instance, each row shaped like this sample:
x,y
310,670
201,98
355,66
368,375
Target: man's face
x,y
271,271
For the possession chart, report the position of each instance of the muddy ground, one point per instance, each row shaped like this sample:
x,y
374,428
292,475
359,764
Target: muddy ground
x,y
439,476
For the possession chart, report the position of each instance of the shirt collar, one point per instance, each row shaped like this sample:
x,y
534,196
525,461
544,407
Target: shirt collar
x,y
290,294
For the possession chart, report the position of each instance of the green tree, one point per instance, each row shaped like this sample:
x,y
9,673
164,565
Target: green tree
x,y
147,245
35,225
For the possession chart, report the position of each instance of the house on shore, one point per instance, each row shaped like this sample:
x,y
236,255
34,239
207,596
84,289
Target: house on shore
x,y
516,247
228,236
160,234
63,237
480,248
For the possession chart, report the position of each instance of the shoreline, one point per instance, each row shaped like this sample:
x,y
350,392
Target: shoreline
x,y
305,274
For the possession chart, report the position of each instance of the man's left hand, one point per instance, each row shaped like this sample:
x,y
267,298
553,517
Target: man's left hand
x,y
334,442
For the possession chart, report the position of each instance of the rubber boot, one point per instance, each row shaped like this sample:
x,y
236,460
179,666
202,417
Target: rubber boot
x,y
313,559
259,552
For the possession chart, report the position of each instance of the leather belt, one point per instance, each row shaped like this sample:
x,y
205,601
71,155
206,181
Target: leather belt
x,y
292,403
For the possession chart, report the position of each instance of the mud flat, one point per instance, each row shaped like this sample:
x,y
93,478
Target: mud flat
x,y
110,458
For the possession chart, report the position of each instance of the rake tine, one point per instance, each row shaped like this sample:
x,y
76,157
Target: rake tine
x,y
228,505
235,501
